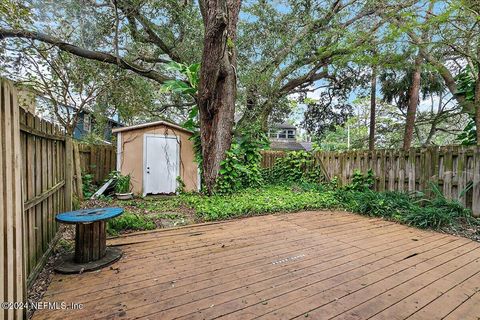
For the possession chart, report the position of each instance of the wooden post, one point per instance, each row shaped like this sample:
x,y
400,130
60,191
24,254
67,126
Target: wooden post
x,y
68,173
381,173
476,183
78,172
411,170
90,242
462,175
447,173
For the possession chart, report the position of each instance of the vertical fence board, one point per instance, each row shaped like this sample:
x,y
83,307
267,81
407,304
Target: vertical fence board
x,y
462,176
9,182
476,183
3,199
12,264
17,164
101,160
447,174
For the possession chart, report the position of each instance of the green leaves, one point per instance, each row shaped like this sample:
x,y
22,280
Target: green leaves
x,y
241,168
178,86
466,85
295,166
263,200
191,72
469,135
362,182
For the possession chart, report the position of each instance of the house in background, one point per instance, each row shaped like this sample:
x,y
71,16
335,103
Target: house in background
x,y
39,105
86,122
284,137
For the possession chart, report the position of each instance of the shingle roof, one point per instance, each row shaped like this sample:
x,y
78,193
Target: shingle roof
x,y
284,126
286,145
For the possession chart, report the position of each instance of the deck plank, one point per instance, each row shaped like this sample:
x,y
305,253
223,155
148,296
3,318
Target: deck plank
x,y
316,264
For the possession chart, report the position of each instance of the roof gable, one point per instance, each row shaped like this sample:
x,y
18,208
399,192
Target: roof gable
x,y
152,124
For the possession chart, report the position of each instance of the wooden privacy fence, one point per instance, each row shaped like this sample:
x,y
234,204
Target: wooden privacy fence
x,y
455,169
46,169
98,160
12,267
35,184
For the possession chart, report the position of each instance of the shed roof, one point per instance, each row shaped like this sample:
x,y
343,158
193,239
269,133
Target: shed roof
x,y
151,124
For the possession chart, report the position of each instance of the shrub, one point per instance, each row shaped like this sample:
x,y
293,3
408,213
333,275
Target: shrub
x,y
416,210
375,204
241,167
362,182
88,188
436,212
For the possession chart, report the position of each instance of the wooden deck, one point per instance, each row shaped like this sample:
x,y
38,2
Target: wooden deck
x,y
316,265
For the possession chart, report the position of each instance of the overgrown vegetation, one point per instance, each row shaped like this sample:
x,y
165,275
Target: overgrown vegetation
x,y
296,166
88,186
361,182
262,200
241,167
412,209
293,185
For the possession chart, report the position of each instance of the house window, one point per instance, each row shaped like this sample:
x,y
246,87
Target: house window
x,y
282,134
86,123
291,134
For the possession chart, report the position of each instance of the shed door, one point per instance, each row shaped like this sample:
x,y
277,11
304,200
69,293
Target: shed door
x,y
161,164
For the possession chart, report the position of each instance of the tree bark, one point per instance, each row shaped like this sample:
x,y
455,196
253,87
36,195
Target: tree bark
x,y
413,100
477,106
217,87
373,109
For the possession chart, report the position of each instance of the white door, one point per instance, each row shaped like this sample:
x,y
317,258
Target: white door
x,y
161,166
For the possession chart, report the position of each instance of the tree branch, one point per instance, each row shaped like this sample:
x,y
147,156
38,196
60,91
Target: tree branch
x,y
82,52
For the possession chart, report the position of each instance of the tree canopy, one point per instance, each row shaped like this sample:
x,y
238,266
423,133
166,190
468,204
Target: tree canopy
x,y
255,63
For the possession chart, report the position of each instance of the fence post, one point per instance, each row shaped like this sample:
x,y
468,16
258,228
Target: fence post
x,y
78,172
68,172
476,183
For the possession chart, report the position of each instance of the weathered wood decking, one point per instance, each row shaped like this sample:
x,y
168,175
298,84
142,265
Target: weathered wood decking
x,y
319,265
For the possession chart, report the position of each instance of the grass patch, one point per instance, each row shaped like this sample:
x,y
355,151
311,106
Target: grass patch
x,y
259,201
129,222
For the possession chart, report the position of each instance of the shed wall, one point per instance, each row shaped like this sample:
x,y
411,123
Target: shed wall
x,y
131,156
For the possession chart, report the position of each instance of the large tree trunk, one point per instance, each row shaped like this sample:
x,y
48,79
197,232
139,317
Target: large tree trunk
x,y
217,87
477,106
373,109
413,100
